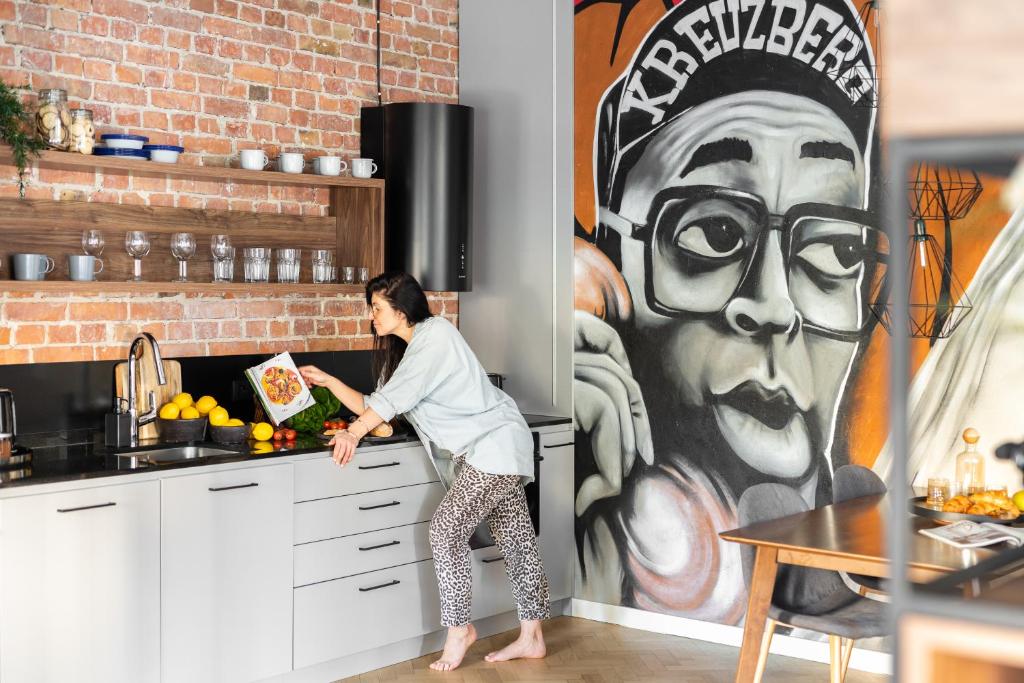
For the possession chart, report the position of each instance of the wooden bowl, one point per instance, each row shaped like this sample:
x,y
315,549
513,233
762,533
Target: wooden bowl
x,y
177,431
225,434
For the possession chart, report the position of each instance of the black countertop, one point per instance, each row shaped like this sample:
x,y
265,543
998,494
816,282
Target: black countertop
x,y
71,462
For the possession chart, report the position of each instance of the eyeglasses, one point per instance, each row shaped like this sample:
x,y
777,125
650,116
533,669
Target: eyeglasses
x,y
703,245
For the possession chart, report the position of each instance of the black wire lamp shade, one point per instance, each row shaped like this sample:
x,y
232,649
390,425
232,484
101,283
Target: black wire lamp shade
x,y
937,300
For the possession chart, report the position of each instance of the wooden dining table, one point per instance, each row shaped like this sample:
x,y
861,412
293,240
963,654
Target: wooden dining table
x,y
848,536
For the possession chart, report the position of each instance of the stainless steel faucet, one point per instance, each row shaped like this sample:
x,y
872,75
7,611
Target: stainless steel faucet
x,y
134,355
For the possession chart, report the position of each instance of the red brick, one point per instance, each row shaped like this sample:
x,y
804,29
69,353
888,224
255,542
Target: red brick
x,y
202,64
279,328
326,328
94,25
348,328
169,17
98,311
123,9
92,333
261,309
27,335
14,356
61,334
33,37
211,309
152,35
163,310
227,29
5,335
119,93
257,74
128,74
122,30
303,326
175,100
61,354
97,70
219,106
31,310
235,348
179,40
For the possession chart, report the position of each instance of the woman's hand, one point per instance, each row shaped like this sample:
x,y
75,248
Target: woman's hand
x,y
344,443
315,377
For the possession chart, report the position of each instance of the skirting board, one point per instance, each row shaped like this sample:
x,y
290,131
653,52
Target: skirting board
x,y
361,662
787,646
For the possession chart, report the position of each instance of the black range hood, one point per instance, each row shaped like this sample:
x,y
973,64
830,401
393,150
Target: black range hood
x,y
424,153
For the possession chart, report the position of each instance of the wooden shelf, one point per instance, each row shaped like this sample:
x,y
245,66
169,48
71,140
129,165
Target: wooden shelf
x,y
109,287
216,173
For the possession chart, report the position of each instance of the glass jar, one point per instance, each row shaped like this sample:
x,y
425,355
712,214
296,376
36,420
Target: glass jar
x,y
82,132
53,118
970,466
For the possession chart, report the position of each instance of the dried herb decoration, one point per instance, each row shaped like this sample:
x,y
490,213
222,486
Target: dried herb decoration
x,y
16,130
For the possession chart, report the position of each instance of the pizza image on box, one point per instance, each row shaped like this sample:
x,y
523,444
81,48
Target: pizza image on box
x,y
281,385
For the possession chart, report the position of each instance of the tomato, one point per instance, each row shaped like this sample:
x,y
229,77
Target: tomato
x,y
290,434
342,424
278,435
328,424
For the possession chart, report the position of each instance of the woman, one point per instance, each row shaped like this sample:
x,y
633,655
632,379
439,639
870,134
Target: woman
x,y
426,370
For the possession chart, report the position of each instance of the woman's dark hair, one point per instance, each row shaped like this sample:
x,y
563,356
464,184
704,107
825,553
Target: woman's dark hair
x,y
405,295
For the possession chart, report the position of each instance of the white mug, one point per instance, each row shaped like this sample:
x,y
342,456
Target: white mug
x,y
290,162
327,165
363,168
254,159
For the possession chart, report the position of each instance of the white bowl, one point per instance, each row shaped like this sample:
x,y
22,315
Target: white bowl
x,y
115,143
163,156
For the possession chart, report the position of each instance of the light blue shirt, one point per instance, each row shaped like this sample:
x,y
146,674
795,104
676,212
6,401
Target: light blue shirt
x,y
445,394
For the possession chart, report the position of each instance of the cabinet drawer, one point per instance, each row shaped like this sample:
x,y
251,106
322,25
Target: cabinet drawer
x,y
340,557
491,591
370,470
317,520
338,618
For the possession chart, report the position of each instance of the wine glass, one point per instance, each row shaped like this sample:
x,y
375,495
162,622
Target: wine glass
x,y
92,242
136,243
220,247
183,247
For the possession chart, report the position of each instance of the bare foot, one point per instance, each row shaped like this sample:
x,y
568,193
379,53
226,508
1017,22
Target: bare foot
x,y
523,647
455,645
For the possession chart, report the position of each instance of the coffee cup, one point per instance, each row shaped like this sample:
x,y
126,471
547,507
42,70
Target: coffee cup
x,y
363,168
82,267
290,162
253,159
31,266
328,165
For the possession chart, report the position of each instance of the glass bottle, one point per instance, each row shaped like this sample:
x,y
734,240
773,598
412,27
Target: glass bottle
x,y
970,466
82,133
53,118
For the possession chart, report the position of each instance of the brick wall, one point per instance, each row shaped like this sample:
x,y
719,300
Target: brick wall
x,y
79,326
216,76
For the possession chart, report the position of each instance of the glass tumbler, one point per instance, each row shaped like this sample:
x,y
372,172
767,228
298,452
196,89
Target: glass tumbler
x,y
323,262
348,275
224,266
288,265
364,275
938,492
256,264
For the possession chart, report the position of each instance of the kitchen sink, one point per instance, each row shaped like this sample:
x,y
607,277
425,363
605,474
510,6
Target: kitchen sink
x,y
163,456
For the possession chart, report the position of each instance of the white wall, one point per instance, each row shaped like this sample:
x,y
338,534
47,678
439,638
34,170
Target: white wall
x,y
515,70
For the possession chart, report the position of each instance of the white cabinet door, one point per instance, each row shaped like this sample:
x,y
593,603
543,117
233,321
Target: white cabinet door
x,y
557,542
80,586
226,562
492,593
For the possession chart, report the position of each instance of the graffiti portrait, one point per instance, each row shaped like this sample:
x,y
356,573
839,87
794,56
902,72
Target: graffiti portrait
x,y
723,286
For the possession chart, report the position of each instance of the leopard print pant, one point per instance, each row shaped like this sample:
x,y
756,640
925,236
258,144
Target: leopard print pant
x,y
498,498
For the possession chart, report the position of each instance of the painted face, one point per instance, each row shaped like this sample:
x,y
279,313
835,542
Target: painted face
x,y
749,371
385,318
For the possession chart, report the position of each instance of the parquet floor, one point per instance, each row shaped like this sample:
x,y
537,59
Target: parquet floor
x,y
594,652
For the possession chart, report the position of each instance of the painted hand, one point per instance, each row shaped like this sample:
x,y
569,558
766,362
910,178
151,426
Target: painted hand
x,y
609,408
344,443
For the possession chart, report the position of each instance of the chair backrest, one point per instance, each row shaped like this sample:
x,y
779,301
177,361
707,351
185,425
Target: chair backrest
x,y
797,589
854,481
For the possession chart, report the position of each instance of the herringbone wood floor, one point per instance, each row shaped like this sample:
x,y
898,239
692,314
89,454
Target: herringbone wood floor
x,y
593,652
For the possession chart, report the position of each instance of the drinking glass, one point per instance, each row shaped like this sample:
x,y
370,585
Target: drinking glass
x,y
323,262
220,246
938,492
183,247
288,265
256,264
349,275
364,275
136,243
224,268
92,242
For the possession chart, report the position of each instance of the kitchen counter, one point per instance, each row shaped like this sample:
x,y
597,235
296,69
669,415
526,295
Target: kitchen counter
x,y
75,462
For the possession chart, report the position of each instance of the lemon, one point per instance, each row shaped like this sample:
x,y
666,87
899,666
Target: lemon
x,y
262,447
234,422
219,416
1018,500
169,411
261,431
205,404
182,400
189,413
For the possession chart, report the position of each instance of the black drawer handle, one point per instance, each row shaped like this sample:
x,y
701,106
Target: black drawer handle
x,y
228,488
382,545
499,558
377,467
382,505
559,445
383,585
87,507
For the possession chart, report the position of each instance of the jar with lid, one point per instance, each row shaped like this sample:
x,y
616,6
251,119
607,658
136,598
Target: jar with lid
x,y
82,133
53,118
970,466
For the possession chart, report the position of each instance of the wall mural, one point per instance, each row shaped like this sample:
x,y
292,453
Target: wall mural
x,y
726,256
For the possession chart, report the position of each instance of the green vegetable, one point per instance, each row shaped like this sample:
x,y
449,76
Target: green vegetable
x,y
311,420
